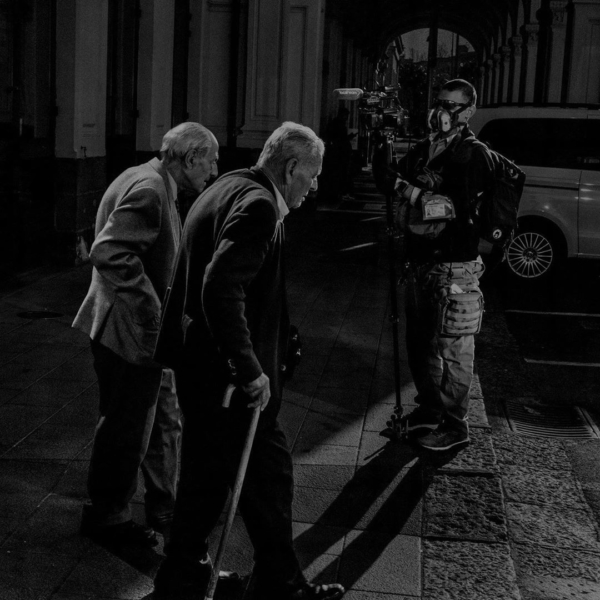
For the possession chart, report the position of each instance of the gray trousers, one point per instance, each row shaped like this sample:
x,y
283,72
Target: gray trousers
x,y
441,366
139,426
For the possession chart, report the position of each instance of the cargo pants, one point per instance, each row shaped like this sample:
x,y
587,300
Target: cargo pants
x,y
441,365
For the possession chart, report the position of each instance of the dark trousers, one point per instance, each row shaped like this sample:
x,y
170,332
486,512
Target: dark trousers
x,y
161,462
126,425
213,438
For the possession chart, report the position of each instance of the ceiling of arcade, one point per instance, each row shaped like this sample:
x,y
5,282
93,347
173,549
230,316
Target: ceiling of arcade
x,y
487,24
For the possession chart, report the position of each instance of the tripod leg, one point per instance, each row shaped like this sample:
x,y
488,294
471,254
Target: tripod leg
x,y
395,419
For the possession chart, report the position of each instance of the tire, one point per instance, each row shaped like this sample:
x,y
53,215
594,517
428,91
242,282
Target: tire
x,y
534,252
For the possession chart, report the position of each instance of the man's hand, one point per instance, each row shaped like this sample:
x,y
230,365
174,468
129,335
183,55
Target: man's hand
x,y
259,390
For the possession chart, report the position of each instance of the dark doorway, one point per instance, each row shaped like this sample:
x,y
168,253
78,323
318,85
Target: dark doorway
x,y
27,120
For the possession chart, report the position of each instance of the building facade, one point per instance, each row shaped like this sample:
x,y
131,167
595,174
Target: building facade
x,y
89,87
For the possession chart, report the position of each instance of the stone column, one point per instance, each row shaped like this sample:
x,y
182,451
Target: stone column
x,y
80,146
557,56
285,48
210,63
155,73
515,74
532,30
503,97
495,78
488,85
81,61
481,85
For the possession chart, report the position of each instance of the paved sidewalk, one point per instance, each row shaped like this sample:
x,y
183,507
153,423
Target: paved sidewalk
x,y
388,521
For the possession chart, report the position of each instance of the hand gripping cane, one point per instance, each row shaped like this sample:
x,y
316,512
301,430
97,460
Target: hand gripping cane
x,y
235,497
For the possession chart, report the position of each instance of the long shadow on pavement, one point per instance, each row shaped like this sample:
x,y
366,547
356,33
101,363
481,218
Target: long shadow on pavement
x,y
393,482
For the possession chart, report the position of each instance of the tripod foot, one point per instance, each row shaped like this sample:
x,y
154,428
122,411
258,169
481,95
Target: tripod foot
x,y
396,426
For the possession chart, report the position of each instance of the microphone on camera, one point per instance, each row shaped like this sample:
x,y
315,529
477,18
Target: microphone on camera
x,y
348,93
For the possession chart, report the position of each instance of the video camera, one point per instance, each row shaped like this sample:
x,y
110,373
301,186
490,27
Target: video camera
x,y
381,119
378,110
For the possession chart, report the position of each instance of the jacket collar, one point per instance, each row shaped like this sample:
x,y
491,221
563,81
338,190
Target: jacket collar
x,y
170,184
282,207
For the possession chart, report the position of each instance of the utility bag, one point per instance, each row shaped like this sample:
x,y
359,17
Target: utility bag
x,y
427,221
460,313
456,298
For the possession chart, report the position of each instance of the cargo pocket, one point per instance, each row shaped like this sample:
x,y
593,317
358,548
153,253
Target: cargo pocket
x,y
460,313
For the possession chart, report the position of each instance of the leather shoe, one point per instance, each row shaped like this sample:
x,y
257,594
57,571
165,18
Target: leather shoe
x,y
122,534
306,591
311,591
182,579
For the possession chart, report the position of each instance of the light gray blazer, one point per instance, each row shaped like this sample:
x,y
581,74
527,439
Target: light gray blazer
x,y
137,235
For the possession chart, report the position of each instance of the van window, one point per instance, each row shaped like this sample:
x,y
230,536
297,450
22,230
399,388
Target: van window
x,y
558,143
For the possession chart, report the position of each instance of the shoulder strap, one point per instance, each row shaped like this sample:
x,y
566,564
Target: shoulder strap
x,y
487,151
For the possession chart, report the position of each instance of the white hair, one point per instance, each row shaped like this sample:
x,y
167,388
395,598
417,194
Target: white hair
x,y
290,140
177,142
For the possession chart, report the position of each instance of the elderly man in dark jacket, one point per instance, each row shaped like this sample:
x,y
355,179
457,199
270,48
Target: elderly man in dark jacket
x,y
137,236
226,321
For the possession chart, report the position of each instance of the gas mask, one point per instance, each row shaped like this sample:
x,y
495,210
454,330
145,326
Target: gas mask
x,y
443,117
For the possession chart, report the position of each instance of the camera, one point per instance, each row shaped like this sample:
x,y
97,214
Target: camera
x,y
381,119
377,109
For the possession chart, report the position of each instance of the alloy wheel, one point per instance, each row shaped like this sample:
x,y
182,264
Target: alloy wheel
x,y
530,255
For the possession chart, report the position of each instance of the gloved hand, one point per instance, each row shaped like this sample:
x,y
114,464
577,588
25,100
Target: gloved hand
x,y
407,191
430,179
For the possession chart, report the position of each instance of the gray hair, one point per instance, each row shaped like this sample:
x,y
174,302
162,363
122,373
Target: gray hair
x,y
177,142
290,140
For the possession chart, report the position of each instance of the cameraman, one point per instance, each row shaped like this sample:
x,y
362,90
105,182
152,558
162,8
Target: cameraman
x,y
443,174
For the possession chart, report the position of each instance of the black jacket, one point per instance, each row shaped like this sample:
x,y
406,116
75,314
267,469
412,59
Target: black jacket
x,y
226,313
465,174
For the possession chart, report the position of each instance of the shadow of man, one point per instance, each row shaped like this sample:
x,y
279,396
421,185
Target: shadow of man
x,y
385,497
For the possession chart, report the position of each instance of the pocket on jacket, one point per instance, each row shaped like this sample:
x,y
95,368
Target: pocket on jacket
x,y
134,341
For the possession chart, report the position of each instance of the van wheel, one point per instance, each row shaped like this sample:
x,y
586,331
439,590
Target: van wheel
x,y
534,252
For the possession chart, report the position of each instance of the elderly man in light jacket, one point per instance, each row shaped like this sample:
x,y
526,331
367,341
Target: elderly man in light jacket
x,y
137,235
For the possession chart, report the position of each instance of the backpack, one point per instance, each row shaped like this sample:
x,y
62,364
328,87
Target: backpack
x,y
497,208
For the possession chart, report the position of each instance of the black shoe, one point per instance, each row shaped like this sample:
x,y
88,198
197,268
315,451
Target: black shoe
x,y
306,591
420,420
178,579
443,439
311,591
160,523
128,533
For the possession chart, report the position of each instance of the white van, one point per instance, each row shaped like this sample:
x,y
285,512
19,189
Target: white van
x,y
559,150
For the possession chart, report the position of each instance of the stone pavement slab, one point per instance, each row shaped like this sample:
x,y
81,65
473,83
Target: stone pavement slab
x,y
553,526
382,563
468,571
540,486
466,508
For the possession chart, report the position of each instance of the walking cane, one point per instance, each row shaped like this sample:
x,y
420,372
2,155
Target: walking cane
x,y
235,497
